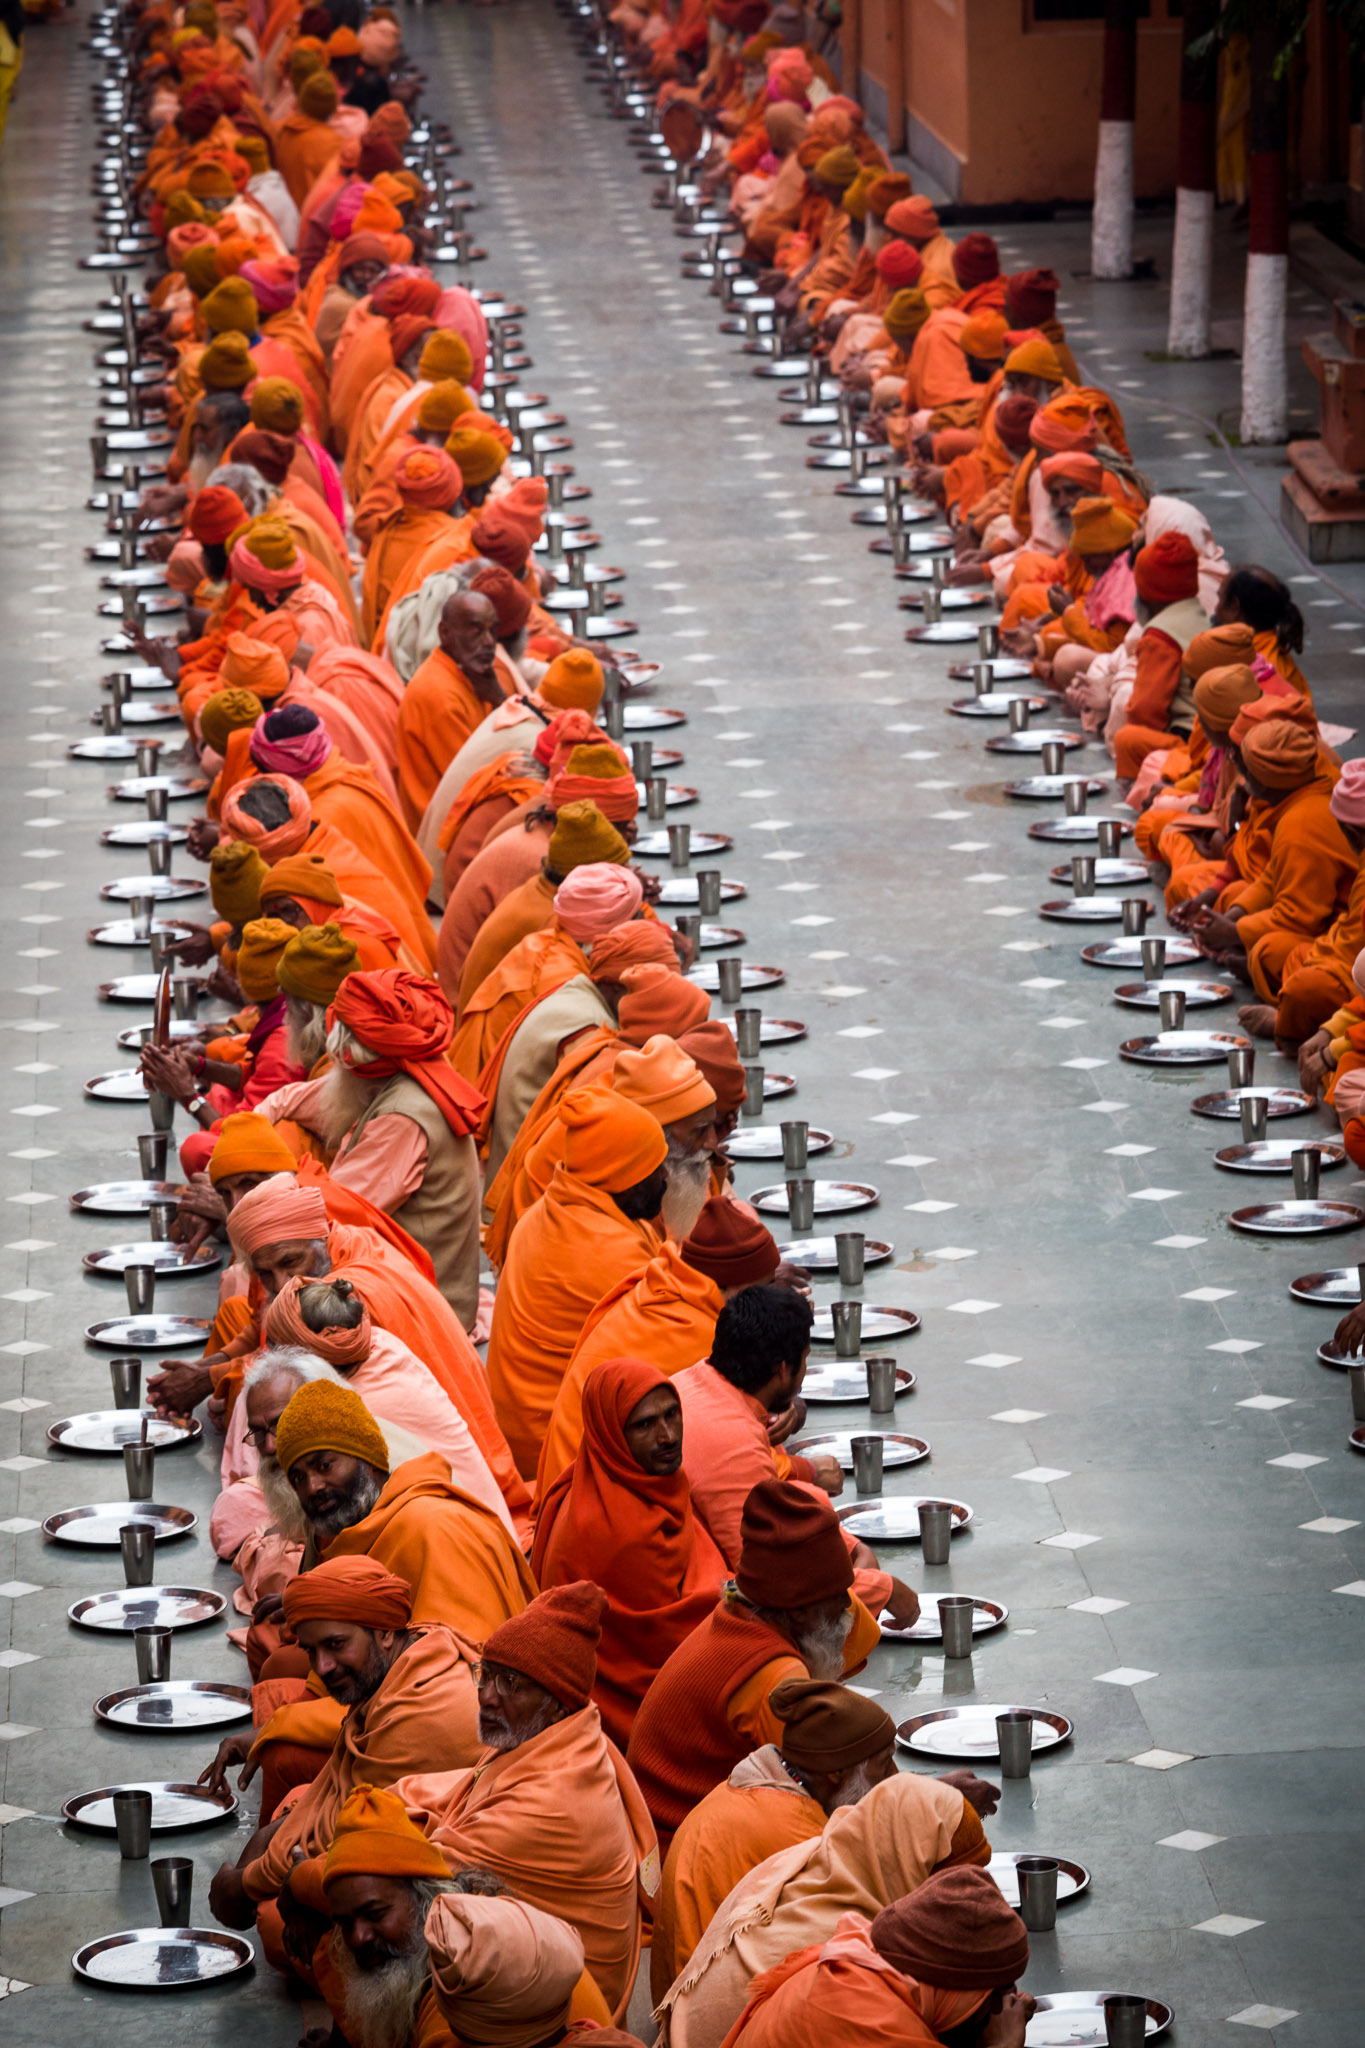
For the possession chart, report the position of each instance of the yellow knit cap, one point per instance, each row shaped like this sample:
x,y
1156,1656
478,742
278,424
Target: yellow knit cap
x,y
226,712
324,1417
231,306
263,941
271,542
446,354
316,962
572,682
226,363
479,456
439,408
581,835
277,406
236,872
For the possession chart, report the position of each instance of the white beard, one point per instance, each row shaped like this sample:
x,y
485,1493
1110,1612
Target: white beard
x,y
382,2004
305,1036
855,1786
341,1100
285,1513
822,1647
689,1185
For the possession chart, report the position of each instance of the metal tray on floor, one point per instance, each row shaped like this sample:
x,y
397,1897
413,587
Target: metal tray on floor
x,y
1276,1155
655,846
177,1027
1072,1878
1005,668
1109,874
777,1085
140,988
149,1333
751,976
124,931
1075,2019
639,718
773,1030
161,888
170,1260
133,1607
177,1806
681,891
894,1518
950,600
947,633
124,1084
1199,995
1127,953
716,936
1083,910
987,1615
1356,1440
995,704
818,1254
1071,831
764,1141
126,1197
145,832
832,1198
1332,1354
163,1958
103,1432
1181,1048
878,1322
968,1733
98,1522
1225,1104
842,1383
1297,1219
1334,1287
1034,738
172,1703
178,788
897,1448
1046,789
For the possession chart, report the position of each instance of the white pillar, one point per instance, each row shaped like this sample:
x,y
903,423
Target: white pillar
x,y
1191,273
1265,380
1111,230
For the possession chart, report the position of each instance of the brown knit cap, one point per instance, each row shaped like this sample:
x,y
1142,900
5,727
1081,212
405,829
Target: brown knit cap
x,y
955,1932
825,1727
791,1549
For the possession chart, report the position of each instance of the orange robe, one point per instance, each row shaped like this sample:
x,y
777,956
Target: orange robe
x,y
358,877
372,691
570,1246
442,554
841,1991
532,969
292,331
528,908
440,710
1317,975
665,1314
1305,884
538,1147
405,533
495,871
362,353
375,405
303,150
351,799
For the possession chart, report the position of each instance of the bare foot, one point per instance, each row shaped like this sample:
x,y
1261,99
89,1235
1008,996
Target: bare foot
x,y
1257,1019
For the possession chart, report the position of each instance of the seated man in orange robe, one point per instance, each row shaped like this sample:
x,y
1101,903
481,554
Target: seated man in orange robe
x,y
1189,822
427,486
1320,976
621,1516
1161,708
451,693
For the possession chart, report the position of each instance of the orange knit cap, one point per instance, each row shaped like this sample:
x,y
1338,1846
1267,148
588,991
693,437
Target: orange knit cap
x,y
1099,528
375,1838
249,664
479,455
659,999
316,962
1035,358
501,537
662,1079
572,682
1280,753
446,354
1220,647
983,336
248,1143
349,1589
526,502
1220,693
609,1142
226,712
322,1416
236,872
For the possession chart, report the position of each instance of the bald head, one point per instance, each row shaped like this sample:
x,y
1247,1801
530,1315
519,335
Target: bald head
x,y
468,634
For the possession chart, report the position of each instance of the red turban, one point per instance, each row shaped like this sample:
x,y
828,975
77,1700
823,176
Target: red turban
x,y
525,502
554,1642
362,248
406,1025
914,217
216,513
712,1046
659,999
1167,569
405,295
731,1246
1013,418
349,1589
271,454
502,538
899,265
1031,297
1076,468
955,1931
976,260
509,599
1063,429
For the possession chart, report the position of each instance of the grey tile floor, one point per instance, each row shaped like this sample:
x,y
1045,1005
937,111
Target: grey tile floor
x,y
1074,1318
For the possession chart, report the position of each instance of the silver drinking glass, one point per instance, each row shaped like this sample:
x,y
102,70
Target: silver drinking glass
x,y
1125,2020
933,608
151,1154
881,1385
708,891
730,976
111,720
1015,1731
139,1466
983,677
1306,1166
801,1206
160,1109
160,1216
794,1146
159,856
185,997
955,1614
173,1882
1356,1375
158,804
126,1374
935,1530
1241,1066
1135,911
1109,831
850,1251
138,1545
1076,796
847,1319
152,1647
988,641
753,1090
679,845
147,753
1037,1877
1153,959
133,1824
867,1463
140,1282
1053,757
642,759
1252,1110
141,910
1083,873
687,924
748,1031
656,799
1171,1003
1018,714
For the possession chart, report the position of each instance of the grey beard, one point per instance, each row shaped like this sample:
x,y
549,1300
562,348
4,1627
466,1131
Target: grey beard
x,y
341,1100
689,1185
822,1646
357,1504
285,1512
855,1786
1063,523
201,467
497,1735
305,1033
382,2004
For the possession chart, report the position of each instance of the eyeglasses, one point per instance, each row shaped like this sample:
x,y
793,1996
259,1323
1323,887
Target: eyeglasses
x,y
258,1436
504,1683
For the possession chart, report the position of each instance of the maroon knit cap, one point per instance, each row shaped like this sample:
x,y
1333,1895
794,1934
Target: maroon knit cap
x,y
955,1932
976,260
1031,297
791,1548
554,1641
731,1246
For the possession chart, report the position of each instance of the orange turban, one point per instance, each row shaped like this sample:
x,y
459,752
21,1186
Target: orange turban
x,y
316,962
635,944
1280,753
278,630
526,502
662,1079
583,837
236,872
914,217
712,1046
375,1838
226,712
609,1142
884,192
983,336
199,268
1035,358
1099,528
349,1589
303,875
504,1971
1077,468
247,1143
428,480
1167,570
1220,647
572,682
599,774
1295,710
286,838
280,1211
209,179
322,1416
337,1345
263,941
657,998
480,455
502,538
250,664
440,407
266,558
1064,426
406,1026
1220,693
216,514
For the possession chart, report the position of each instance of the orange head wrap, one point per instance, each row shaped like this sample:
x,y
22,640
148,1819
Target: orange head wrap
x,y
525,502
1064,426
599,774
339,1345
663,1079
1220,693
277,406
583,837
277,1212
572,682
502,538
349,1589
231,308
440,407
428,480
1035,358
406,1025
446,354
636,944
303,877
659,999
1220,647
480,455
609,1142
1280,753
595,898
375,1838
1076,468
272,845
215,514
983,336
712,1046
247,1143
226,363
731,1244
1099,528
253,667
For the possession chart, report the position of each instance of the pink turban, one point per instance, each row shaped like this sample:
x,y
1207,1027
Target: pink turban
x,y
249,570
380,42
279,1211
191,234
348,205
596,897
274,282
291,741
458,310
185,567
1348,798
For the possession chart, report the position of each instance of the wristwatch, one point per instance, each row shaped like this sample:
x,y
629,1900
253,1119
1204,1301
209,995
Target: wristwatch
x,y
195,1104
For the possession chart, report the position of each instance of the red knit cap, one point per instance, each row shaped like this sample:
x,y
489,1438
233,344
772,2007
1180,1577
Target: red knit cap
x,y
712,1046
976,260
216,513
554,1642
899,265
955,1932
730,1245
1031,297
501,537
507,597
791,1549
1167,569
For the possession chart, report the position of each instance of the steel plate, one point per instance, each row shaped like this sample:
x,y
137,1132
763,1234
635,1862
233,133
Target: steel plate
x,y
832,1198
651,718
1042,789
163,1958
707,976
1336,1287
995,704
124,1084
99,1522
1276,1155
147,1607
178,1027
950,600
841,1384
968,1733
175,1703
640,675
681,890
108,747
1226,1104
104,1431
149,1333
123,931
1072,1878
145,714
817,1254
178,788
897,1448
716,936
987,1615
140,988
777,1085
1109,874
176,1806
655,846
126,1197
773,1030
1083,910
1297,1219
161,888
947,633
1077,831
894,1518
764,1141
1005,668
675,795
1332,1354
877,1322
147,832
1128,953
1034,739
1075,2019
1199,995
1181,1048
169,1259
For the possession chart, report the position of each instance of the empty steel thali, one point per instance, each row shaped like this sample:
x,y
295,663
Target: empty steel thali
x,y
897,1448
877,1322
163,1958
1075,2019
773,1030
1337,1287
764,1141
1083,910
1146,995
1181,1048
843,1382
832,1198
176,1806
172,1261
820,1254
1072,1878
99,1522
1276,1155
149,1333
126,1197
119,1613
986,1615
171,1703
894,1518
707,976
1225,1105
1297,1219
969,1734
103,1432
